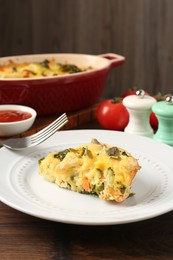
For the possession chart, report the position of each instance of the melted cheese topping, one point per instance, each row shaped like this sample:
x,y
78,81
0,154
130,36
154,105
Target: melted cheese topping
x,y
38,69
92,168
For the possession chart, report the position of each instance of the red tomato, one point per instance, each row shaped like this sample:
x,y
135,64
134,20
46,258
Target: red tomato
x,y
128,93
131,91
153,120
112,115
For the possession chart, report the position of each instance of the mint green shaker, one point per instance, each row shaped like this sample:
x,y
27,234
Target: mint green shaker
x,y
164,113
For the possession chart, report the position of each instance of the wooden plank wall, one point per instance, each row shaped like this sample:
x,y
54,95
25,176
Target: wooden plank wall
x,y
141,30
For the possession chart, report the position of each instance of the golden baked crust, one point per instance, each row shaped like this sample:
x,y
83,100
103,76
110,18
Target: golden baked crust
x,y
93,168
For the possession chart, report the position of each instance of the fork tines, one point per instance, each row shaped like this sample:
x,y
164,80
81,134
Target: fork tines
x,y
50,129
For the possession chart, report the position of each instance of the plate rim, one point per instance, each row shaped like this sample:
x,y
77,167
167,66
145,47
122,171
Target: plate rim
x,y
85,133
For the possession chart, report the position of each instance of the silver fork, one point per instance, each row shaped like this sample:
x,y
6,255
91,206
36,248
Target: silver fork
x,y
35,139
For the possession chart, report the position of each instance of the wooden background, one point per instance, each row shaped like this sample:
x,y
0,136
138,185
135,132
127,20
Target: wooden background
x,y
141,30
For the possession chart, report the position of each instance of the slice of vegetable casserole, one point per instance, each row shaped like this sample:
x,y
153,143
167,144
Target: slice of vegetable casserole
x,y
93,168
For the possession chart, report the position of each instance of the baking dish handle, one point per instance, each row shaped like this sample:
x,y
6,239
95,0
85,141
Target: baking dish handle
x,y
114,59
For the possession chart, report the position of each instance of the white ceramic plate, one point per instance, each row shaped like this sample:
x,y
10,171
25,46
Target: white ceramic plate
x,y
23,189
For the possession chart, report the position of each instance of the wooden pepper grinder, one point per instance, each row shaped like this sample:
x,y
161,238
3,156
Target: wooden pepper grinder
x,y
164,113
139,108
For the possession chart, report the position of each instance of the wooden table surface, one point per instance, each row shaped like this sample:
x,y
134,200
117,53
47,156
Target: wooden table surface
x,y
25,237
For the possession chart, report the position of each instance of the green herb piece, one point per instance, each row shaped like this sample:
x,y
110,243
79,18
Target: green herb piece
x,y
70,68
61,155
99,188
131,194
14,69
114,152
95,141
99,173
123,189
125,154
40,160
45,64
110,176
110,171
86,152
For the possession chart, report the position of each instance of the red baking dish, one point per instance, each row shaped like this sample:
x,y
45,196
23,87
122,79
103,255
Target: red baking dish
x,y
57,94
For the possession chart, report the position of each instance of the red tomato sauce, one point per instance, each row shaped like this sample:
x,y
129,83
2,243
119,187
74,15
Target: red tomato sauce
x,y
7,116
